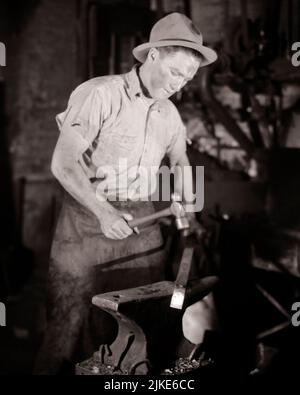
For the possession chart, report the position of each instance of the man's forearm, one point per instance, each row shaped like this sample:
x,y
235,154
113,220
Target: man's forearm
x,y
74,180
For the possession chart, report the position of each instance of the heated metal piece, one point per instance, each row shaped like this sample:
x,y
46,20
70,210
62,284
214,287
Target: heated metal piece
x,y
182,279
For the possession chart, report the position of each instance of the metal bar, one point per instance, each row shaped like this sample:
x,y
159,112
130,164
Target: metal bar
x,y
113,300
273,301
244,16
182,278
273,330
185,267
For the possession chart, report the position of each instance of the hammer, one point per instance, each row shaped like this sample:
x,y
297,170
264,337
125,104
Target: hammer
x,y
176,208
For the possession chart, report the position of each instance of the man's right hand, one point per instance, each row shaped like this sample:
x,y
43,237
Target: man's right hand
x,y
114,226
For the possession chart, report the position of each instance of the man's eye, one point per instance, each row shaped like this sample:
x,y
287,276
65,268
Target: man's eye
x,y
174,73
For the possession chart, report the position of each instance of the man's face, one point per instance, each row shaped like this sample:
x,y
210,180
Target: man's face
x,y
170,72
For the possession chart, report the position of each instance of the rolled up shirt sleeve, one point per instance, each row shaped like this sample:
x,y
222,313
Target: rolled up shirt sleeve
x,y
81,122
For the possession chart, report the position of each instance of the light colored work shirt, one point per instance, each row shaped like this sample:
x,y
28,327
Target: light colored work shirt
x,y
116,130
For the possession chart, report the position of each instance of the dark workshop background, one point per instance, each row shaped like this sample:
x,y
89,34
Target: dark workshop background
x,y
242,117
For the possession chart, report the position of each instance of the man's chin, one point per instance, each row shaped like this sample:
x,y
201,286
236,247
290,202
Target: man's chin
x,y
162,95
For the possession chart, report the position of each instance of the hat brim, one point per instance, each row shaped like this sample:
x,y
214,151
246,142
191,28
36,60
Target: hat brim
x,y
140,52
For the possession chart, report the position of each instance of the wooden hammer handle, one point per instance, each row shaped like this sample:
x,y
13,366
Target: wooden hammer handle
x,y
149,218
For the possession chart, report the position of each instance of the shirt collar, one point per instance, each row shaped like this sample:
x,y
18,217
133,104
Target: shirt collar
x,y
133,83
134,88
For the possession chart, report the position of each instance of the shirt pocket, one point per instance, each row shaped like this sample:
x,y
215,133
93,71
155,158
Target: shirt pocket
x,y
125,134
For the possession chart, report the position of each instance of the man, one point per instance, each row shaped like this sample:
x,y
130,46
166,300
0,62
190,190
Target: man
x,y
125,119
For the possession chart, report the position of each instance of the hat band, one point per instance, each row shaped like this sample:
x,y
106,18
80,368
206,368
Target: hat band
x,y
177,39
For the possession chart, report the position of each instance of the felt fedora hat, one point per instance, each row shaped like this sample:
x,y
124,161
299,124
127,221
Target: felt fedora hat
x,y
175,29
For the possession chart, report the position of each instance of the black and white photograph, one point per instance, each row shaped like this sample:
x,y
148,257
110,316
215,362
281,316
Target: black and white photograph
x,y
150,194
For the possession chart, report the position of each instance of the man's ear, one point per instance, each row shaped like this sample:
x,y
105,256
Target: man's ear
x,y
153,54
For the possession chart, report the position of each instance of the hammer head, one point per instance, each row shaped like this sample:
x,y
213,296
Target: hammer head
x,y
178,211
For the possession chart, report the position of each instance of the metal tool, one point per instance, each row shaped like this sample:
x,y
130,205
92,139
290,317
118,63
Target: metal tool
x,y
182,223
182,279
176,209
